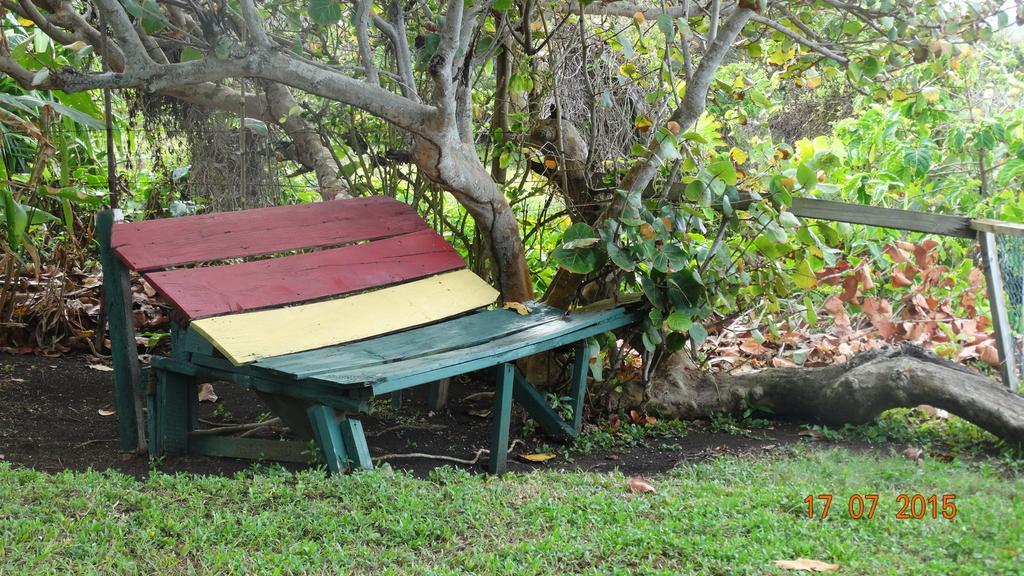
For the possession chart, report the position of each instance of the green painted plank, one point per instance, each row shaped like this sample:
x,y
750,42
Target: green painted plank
x,y
449,335
377,372
328,437
355,443
128,392
174,393
501,417
188,341
348,399
399,375
578,385
251,448
537,407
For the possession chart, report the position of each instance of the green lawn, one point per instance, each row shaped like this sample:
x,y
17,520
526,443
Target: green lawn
x,y
733,515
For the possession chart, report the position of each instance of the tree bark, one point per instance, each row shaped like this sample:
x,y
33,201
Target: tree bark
x,y
457,167
852,393
311,149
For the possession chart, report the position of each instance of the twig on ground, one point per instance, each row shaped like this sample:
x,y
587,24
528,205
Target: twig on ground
x,y
478,395
423,456
227,429
98,441
412,426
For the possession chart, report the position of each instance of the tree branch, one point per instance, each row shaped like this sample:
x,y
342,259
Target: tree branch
x,y
362,19
124,32
254,24
695,101
395,31
802,40
628,9
440,66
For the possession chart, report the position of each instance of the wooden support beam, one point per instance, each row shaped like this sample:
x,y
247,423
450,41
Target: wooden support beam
x,y
176,396
958,226
998,227
997,306
348,399
578,385
537,407
437,397
129,394
328,437
504,375
251,448
356,450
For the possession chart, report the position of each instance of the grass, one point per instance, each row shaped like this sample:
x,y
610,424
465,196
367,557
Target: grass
x,y
731,515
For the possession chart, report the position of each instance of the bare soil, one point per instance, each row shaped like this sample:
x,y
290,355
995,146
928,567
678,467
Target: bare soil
x,y
54,416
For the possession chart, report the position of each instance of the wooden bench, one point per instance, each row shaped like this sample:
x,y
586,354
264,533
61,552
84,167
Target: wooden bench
x,y
348,300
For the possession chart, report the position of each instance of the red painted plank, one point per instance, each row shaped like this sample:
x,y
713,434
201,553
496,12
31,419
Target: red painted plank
x,y
156,244
202,292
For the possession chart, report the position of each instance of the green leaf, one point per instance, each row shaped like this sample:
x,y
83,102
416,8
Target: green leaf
x,y
724,170
324,11
666,26
31,103
810,315
674,341
870,66
619,257
680,322
853,69
148,14
790,220
16,217
918,160
579,252
257,126
803,277
698,333
651,292
985,139
501,5
189,53
806,177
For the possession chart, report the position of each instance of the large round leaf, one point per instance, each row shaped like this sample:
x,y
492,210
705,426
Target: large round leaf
x,y
581,250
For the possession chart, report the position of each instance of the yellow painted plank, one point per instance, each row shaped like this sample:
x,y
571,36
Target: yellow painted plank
x,y
246,337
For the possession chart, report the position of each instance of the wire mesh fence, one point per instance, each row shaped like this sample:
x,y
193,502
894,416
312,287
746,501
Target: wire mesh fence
x,y
1011,265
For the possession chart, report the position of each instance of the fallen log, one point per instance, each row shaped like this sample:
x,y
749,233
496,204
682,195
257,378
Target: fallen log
x,y
855,392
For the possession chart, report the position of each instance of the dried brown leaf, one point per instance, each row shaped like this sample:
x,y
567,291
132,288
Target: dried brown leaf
x,y
206,393
806,565
638,485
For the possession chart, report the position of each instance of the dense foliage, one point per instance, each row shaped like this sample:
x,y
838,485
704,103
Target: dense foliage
x,y
911,106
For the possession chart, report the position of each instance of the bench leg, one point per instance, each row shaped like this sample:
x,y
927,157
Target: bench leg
x,y
504,375
578,385
438,397
396,399
328,437
537,407
355,443
173,408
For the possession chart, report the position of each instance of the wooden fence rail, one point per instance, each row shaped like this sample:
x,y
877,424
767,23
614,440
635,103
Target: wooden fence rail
x,y
983,230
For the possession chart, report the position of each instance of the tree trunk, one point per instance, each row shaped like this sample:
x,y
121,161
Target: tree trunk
x,y
312,152
852,393
457,168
